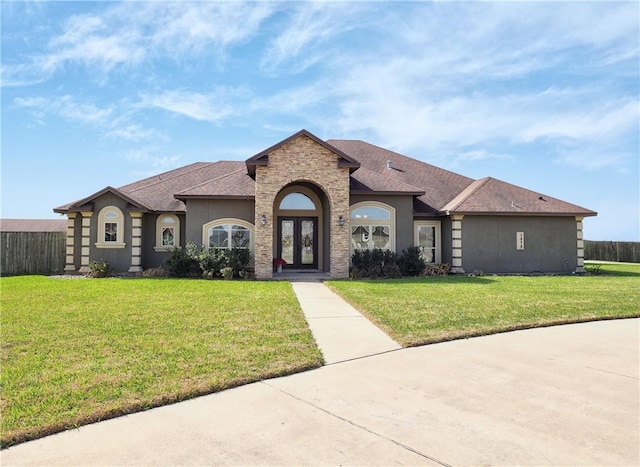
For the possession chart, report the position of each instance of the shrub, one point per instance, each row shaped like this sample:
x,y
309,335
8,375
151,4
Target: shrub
x,y
183,262
227,273
439,269
194,261
411,262
374,264
238,260
211,262
99,269
155,272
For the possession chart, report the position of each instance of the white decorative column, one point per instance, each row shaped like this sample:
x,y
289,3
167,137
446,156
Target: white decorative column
x,y
456,244
136,241
69,265
580,245
86,241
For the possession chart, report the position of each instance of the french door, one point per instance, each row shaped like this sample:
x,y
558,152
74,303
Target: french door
x,y
298,242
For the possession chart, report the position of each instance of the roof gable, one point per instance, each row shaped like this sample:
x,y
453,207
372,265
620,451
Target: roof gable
x,y
87,203
262,158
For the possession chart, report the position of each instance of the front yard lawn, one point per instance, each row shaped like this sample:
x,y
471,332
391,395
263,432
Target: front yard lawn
x,y
434,309
75,351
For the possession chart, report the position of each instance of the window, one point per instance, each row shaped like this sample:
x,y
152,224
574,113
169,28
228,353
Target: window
x,y
110,228
372,226
297,201
167,232
225,234
427,238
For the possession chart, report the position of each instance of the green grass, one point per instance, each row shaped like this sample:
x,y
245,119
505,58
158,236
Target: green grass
x,y
79,351
434,309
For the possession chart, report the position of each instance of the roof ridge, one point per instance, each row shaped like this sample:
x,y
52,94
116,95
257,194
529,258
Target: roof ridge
x,y
212,179
158,178
465,194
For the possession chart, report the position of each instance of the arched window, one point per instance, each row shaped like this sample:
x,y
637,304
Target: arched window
x,y
297,201
167,232
110,228
372,226
226,234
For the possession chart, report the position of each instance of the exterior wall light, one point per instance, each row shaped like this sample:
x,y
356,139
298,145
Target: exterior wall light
x,y
263,219
341,221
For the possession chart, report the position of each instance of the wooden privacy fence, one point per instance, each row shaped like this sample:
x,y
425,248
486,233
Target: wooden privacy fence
x,y
626,252
32,252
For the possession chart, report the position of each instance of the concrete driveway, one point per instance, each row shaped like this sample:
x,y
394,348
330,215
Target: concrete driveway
x,y
565,395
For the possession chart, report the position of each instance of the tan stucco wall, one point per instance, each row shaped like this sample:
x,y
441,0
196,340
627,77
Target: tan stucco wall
x,y
302,160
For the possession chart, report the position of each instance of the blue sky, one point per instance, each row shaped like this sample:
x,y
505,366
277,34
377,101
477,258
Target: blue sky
x,y
540,94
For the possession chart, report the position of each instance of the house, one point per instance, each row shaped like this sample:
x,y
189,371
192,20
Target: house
x,y
313,203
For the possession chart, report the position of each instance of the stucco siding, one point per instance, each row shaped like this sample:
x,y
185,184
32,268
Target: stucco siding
x,y
489,244
150,257
119,259
201,211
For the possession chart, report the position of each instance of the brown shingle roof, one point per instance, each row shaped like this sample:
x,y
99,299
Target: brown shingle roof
x,y
365,181
376,171
438,185
491,196
33,225
236,184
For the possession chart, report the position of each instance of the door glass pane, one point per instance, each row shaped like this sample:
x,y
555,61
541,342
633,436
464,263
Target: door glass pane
x,y
286,229
307,239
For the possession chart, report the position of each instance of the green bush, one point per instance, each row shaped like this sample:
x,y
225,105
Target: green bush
x,y
374,264
238,260
183,263
211,262
99,269
411,262
194,261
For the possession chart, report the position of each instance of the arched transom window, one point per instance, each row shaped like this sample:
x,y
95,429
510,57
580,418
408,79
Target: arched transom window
x,y
372,226
297,201
226,234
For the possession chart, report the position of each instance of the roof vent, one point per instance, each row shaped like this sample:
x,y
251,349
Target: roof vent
x,y
389,165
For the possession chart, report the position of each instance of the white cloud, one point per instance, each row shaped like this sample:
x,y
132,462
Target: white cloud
x,y
131,33
302,42
211,107
65,106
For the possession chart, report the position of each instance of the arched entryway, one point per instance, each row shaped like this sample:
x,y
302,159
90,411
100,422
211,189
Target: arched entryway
x,y
300,237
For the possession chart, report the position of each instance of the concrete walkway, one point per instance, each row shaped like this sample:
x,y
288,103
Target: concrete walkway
x,y
340,331
565,395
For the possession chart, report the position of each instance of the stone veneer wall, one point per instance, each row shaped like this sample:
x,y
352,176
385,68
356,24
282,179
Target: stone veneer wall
x,y
296,161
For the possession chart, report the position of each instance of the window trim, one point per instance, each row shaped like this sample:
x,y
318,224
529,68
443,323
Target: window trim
x,y
438,237
230,221
374,222
102,221
176,234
